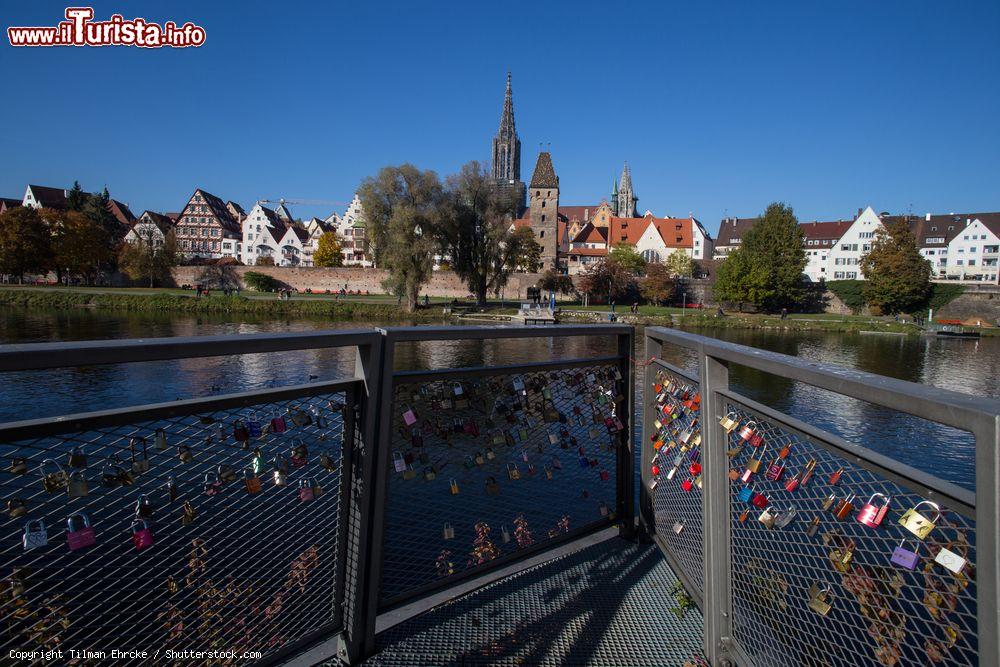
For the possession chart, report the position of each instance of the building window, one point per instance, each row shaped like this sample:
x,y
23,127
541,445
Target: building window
x,y
651,256
543,218
541,234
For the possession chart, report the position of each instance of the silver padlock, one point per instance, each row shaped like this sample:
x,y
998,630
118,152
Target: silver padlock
x,y
679,526
448,532
35,535
786,517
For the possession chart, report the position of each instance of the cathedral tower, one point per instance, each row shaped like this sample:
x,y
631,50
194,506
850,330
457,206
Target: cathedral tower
x,y
626,199
543,209
506,166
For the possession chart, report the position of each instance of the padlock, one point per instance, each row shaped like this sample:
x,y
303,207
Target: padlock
x,y
747,431
733,452
278,424
584,462
184,454
257,462
694,468
172,492
18,465
143,507
605,475
548,472
16,507
492,488
828,502
139,465
448,532
775,470
951,560
917,523
240,432
793,483
125,477
903,557
300,417
453,485
819,599
807,472
213,484
35,535
786,517
53,481
746,494
504,534
305,491
318,417
757,439
687,485
77,458
479,459
77,486
253,426
513,472
755,462
767,517
678,526
813,527
844,507
188,514
327,462
160,439
759,500
280,475
785,451
871,514
252,482
226,473
490,454
398,461
430,473
835,477
82,536
734,474
300,454
142,536
745,477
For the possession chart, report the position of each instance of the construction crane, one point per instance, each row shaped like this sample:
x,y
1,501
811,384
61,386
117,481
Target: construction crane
x,y
304,202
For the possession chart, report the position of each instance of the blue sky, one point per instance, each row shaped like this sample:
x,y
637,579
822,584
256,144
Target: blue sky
x,y
718,107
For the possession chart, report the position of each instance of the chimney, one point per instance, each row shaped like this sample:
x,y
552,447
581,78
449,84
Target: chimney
x,y
927,217
860,210
586,214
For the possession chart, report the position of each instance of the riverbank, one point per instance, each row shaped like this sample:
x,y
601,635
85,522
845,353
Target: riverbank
x,y
181,302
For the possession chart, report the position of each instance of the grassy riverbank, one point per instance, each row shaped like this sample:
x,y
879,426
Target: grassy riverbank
x,y
261,305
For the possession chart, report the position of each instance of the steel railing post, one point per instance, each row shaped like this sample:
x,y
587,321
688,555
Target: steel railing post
x,y
988,539
647,514
626,447
717,610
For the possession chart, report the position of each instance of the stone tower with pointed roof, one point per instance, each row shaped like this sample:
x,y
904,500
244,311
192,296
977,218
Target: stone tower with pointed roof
x,y
506,166
623,199
543,209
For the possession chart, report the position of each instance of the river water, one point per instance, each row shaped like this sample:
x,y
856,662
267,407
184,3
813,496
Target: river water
x,y
960,365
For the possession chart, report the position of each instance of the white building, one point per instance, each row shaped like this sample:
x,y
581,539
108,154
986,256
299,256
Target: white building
x,y
820,238
269,233
350,227
973,253
150,228
844,259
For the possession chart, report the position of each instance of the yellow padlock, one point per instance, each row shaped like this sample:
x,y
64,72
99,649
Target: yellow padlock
x,y
917,523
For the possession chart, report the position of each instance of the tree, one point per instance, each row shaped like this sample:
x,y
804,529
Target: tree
x,y
679,264
556,282
474,232
264,260
609,278
401,206
527,252
328,251
262,282
80,246
219,277
25,245
766,270
147,260
97,209
626,256
660,284
76,198
897,277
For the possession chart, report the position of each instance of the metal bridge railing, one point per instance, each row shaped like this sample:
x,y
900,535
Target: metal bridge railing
x,y
817,550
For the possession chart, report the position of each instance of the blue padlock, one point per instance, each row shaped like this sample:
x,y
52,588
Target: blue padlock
x,y
746,494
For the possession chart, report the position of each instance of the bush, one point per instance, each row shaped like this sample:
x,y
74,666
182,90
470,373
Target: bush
x,y
942,294
261,282
850,292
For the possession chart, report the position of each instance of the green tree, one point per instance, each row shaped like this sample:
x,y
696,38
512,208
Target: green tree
x,y
527,252
608,278
96,208
80,246
261,282
556,282
328,251
679,264
626,256
897,277
474,232
401,206
660,284
77,197
766,270
25,243
148,260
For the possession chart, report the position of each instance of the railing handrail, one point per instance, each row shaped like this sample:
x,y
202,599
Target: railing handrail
x,y
443,333
42,356
952,408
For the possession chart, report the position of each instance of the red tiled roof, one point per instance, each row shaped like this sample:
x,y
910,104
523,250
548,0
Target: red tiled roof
x,y
121,212
49,197
591,234
589,252
825,230
580,213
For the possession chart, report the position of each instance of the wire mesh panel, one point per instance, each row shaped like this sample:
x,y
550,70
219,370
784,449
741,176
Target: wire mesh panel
x,y
676,471
488,465
216,530
833,564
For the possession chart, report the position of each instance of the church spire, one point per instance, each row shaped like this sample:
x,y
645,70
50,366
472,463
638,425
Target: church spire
x,y
506,166
626,197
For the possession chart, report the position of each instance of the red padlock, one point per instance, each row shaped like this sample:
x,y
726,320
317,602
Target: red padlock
x,y
871,514
240,432
747,431
142,536
695,468
605,475
81,538
756,440
792,484
686,485
656,470
305,491
760,501
775,471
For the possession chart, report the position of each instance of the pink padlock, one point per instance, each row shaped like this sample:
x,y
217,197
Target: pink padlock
x,y
142,536
605,475
756,440
305,491
81,538
278,424
871,514
747,431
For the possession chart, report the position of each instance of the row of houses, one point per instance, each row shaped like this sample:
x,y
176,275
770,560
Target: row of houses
x,y
209,228
962,247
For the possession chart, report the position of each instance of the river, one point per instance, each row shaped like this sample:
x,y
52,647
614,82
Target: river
x,y
967,366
